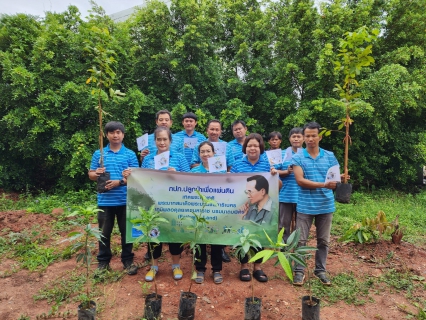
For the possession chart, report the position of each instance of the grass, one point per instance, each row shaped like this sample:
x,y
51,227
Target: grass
x,y
410,209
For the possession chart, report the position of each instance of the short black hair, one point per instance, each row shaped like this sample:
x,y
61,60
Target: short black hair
x,y
256,137
205,143
312,125
190,115
238,122
214,121
296,130
114,125
159,129
164,111
261,182
274,134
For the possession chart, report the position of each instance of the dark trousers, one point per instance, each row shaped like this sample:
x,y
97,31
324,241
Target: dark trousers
x,y
157,248
106,224
245,259
216,258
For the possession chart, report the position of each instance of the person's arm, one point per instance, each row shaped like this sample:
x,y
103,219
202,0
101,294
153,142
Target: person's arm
x,y
286,173
306,183
94,174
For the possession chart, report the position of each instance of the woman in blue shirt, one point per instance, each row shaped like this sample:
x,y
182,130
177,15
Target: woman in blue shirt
x,y
255,161
177,162
206,151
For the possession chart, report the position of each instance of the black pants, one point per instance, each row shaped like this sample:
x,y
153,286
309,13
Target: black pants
x,y
245,259
106,224
216,257
174,248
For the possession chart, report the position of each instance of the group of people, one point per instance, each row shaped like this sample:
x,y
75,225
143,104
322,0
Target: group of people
x,y
304,196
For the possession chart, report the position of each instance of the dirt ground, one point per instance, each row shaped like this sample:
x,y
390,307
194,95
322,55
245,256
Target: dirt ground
x,y
280,300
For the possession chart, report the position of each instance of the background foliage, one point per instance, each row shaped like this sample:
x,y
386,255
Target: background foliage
x,y
270,64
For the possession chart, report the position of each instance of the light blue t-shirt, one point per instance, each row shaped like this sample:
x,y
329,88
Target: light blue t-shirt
x,y
244,165
188,151
114,163
319,200
237,149
289,193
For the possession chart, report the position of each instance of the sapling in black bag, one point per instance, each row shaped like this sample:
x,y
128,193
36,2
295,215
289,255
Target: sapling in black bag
x,y
343,192
102,179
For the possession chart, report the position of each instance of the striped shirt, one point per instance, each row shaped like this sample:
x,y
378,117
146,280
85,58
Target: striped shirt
x,y
201,169
237,149
188,151
176,160
176,146
289,193
243,165
319,200
114,163
229,156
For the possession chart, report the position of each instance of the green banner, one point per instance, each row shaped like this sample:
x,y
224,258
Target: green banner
x,y
241,204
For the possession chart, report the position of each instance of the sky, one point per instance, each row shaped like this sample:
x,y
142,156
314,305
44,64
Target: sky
x,y
39,7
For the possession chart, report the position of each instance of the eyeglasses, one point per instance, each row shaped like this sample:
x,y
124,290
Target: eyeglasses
x,y
249,192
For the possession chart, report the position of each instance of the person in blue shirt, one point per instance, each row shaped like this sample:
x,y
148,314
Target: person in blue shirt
x,y
239,130
214,131
206,151
116,159
290,191
163,118
316,199
254,148
177,162
189,123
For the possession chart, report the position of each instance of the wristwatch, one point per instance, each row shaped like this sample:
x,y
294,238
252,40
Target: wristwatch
x,y
122,183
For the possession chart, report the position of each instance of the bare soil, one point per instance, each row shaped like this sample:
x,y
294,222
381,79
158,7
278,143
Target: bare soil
x,y
280,300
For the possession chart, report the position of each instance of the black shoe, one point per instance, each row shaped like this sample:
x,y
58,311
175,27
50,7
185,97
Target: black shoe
x,y
298,279
322,276
130,267
225,257
104,266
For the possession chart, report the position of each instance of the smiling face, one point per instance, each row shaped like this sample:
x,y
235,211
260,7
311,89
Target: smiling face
x,y
254,196
115,137
214,131
206,152
164,121
162,141
253,150
275,142
189,124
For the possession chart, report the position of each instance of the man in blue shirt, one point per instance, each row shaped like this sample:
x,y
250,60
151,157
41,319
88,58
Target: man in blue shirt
x,y
316,199
239,130
116,159
189,123
163,118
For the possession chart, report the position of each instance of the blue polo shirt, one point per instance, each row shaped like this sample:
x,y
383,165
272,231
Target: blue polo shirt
x,y
201,169
188,151
319,200
243,165
114,163
237,149
176,160
176,145
229,156
289,193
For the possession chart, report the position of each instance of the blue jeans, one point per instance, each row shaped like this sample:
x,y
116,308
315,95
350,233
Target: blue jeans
x,y
106,224
323,226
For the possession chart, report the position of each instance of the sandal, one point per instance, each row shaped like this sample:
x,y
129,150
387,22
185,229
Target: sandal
x,y
260,276
199,278
217,277
245,275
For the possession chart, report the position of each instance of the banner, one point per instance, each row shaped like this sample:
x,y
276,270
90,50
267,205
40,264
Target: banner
x,y
244,201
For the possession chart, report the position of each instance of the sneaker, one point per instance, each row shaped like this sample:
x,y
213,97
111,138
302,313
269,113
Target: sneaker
x,y
298,279
130,267
177,273
322,276
151,274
